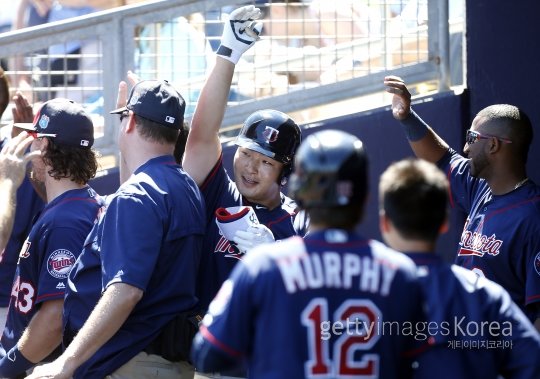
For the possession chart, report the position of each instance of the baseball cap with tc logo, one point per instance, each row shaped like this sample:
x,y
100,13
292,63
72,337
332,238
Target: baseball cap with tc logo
x,y
158,101
63,120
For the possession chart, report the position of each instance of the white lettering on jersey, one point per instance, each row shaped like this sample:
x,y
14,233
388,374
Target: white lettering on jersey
x,y
475,242
334,270
478,244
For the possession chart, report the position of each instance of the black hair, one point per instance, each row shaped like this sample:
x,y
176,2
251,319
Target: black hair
x,y
414,196
154,131
76,163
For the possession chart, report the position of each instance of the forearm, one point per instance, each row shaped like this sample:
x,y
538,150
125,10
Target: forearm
x,y
108,316
213,100
425,143
41,337
203,146
44,332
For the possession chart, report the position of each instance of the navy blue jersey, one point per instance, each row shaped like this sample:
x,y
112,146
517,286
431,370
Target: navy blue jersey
x,y
501,237
47,256
219,255
476,331
330,305
28,205
150,237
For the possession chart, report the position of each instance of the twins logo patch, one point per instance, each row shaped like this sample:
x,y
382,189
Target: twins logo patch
x,y
60,263
537,263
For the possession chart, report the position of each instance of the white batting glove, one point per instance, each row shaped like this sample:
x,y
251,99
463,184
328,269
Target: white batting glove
x,y
255,235
240,33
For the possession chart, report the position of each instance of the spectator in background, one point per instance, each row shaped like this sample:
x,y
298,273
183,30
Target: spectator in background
x,y
7,18
174,50
413,198
28,13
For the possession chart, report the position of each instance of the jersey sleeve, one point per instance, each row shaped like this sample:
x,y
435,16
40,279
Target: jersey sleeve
x,y
521,359
61,247
131,237
228,324
532,282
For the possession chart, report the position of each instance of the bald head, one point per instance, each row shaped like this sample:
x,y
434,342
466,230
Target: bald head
x,y
508,121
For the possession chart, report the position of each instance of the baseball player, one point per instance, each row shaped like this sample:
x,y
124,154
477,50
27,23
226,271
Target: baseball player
x,y
475,329
62,136
501,236
137,270
313,307
262,163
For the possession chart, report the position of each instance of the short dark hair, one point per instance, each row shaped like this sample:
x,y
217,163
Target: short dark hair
x,y
342,217
180,146
76,163
510,122
414,195
154,131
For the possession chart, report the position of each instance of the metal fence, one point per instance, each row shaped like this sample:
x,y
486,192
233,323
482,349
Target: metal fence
x,y
311,53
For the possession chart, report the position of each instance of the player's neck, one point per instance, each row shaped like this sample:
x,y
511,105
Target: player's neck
x,y
407,245
501,186
56,188
505,177
141,151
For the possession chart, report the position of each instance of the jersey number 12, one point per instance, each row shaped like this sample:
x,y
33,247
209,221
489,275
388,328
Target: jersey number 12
x,y
354,323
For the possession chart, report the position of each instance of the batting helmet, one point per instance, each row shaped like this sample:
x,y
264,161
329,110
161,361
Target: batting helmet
x,y
331,170
273,134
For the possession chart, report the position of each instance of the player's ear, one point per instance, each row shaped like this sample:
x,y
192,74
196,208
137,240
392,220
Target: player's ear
x,y
445,226
130,124
384,222
494,145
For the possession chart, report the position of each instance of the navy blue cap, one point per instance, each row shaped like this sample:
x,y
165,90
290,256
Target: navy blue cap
x,y
158,101
64,120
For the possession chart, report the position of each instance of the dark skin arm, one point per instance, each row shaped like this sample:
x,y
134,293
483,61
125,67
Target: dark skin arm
x,y
431,147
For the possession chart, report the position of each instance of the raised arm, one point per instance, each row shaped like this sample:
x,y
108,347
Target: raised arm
x,y
426,144
203,146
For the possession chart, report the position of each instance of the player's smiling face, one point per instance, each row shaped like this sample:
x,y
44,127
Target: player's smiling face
x,y
256,177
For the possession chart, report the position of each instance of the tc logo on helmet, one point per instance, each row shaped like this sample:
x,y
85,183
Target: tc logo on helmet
x,y
270,134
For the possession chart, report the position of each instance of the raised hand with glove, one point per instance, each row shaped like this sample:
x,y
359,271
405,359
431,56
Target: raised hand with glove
x,y
255,235
240,33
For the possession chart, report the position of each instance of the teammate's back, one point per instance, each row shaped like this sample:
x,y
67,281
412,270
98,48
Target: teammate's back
x,y
473,328
326,306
